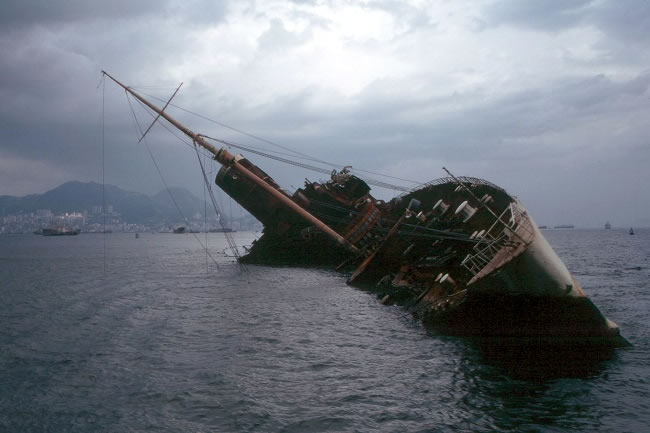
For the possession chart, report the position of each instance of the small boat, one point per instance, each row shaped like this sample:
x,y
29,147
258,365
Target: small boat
x,y
631,231
137,235
608,225
180,230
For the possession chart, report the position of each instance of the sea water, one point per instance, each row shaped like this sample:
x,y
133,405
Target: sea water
x,y
111,333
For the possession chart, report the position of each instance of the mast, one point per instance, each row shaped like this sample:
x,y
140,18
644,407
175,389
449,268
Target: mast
x,y
228,159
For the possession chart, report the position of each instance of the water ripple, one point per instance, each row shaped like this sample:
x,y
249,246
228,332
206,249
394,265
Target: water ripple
x,y
162,342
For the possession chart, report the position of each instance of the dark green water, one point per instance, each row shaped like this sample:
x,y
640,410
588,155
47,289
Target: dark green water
x,y
158,343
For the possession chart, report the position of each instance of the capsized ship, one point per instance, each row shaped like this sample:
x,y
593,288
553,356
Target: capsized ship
x,y
460,253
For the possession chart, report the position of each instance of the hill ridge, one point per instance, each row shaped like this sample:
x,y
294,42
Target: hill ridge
x,y
132,207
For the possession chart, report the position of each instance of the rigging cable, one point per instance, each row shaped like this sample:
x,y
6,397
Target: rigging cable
x,y
279,145
229,238
135,118
303,165
232,245
277,158
104,165
205,227
433,233
436,234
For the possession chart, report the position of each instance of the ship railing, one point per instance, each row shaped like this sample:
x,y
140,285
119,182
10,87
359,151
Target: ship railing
x,y
463,179
524,227
497,236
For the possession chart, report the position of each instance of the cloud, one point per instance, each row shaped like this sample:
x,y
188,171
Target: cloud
x,y
625,20
277,38
44,12
536,96
24,176
18,14
547,15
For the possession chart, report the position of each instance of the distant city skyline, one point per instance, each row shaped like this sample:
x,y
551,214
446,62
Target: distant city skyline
x,y
75,209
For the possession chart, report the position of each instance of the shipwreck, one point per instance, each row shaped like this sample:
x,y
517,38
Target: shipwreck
x,y
460,253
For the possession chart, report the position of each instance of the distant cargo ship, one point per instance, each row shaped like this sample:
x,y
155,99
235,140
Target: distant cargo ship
x,y
222,230
564,226
59,231
608,225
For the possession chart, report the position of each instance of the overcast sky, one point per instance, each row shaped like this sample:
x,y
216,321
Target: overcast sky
x,y
549,99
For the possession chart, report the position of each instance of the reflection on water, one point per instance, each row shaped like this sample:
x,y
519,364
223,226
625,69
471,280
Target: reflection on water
x,y
543,362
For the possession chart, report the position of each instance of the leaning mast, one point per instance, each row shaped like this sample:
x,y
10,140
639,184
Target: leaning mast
x,y
228,159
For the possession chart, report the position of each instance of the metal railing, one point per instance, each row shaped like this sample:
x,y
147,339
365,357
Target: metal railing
x,y
500,234
463,179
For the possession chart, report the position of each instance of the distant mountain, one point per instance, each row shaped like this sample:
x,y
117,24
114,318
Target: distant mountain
x,y
132,206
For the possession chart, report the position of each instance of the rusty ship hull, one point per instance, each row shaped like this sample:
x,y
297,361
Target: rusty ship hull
x,y
460,253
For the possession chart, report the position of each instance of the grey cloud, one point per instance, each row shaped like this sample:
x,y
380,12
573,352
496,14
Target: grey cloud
x,y
51,76
277,38
535,14
564,105
20,13
36,79
476,131
502,139
627,20
51,106
198,11
409,17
